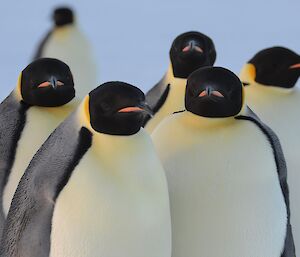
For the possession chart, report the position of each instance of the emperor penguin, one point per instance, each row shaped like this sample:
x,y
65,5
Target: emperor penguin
x,y
189,51
66,42
272,93
95,188
41,100
226,174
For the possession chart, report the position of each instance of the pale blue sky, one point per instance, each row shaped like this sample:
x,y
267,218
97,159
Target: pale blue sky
x,y
131,39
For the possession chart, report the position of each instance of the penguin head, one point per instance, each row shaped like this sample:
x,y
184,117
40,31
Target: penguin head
x,y
214,92
276,66
46,82
63,16
190,51
117,108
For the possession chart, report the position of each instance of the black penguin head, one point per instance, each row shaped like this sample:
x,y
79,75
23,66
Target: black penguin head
x,y
47,82
117,108
63,16
214,92
276,66
190,51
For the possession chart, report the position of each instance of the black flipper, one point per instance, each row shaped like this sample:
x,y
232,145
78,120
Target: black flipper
x,y
289,247
27,230
12,122
157,96
41,46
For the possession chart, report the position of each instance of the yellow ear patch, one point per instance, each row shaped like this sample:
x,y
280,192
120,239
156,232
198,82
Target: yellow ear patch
x,y
84,112
248,73
18,88
87,108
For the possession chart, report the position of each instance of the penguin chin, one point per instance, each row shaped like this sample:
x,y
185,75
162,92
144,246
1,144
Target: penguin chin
x,y
119,124
50,97
214,107
286,81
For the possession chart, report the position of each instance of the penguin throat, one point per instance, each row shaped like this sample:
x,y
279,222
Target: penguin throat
x,y
197,121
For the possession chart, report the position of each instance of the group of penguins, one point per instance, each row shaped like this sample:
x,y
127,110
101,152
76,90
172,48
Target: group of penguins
x,y
187,170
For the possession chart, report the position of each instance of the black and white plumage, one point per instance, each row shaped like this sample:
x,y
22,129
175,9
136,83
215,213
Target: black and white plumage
x,y
41,100
226,174
90,193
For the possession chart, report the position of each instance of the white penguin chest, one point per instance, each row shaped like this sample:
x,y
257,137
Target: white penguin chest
x,y
281,112
225,196
113,206
40,122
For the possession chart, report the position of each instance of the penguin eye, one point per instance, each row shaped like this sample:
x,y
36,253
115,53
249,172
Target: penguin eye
x,y
105,106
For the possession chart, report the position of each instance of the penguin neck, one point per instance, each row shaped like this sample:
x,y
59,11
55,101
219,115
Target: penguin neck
x,y
58,111
169,76
112,143
64,30
65,108
175,100
196,121
126,146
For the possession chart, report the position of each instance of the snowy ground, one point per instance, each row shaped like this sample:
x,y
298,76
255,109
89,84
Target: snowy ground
x,y
131,39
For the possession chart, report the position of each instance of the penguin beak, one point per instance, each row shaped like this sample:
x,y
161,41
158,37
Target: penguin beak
x,y
245,84
53,82
192,46
210,92
142,107
295,66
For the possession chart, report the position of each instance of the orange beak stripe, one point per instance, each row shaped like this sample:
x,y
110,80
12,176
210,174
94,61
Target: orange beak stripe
x,y
295,66
199,49
217,93
131,109
203,93
59,83
188,48
44,84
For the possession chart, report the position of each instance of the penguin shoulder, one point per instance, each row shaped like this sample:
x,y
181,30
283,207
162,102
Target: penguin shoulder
x,y
44,178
